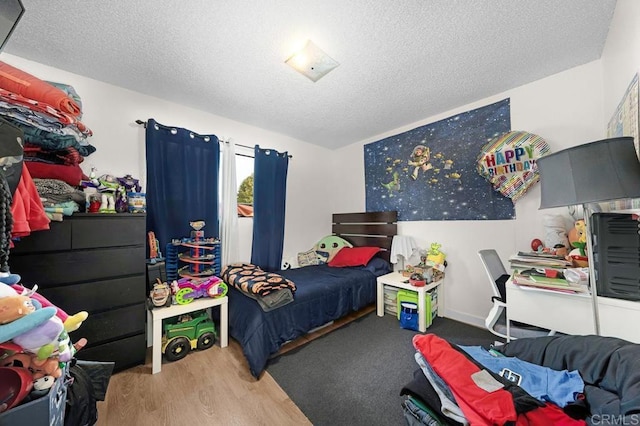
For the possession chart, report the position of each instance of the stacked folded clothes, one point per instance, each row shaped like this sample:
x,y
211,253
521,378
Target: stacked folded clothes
x,y
49,114
59,198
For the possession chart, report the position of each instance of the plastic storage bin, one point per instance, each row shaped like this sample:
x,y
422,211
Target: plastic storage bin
x,y
48,410
412,297
390,300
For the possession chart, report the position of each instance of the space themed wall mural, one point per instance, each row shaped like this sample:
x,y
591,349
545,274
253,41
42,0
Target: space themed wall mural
x,y
429,173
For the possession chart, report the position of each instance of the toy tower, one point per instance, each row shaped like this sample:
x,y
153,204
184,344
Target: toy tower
x,y
201,260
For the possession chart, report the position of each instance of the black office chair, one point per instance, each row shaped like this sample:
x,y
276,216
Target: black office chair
x,y
496,321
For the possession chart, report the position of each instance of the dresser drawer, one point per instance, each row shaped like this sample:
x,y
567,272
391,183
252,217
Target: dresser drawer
x,y
98,296
125,352
61,268
105,326
108,231
86,231
57,238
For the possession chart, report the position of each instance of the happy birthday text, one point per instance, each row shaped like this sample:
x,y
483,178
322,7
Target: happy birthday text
x,y
519,159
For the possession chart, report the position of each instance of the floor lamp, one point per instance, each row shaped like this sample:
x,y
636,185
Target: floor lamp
x,y
599,171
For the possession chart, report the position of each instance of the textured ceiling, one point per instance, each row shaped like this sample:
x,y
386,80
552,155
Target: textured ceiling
x,y
400,61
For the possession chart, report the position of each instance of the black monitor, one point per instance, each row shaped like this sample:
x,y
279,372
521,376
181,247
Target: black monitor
x,y
10,13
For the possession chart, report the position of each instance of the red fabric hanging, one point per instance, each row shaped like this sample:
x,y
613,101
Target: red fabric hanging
x,y
26,208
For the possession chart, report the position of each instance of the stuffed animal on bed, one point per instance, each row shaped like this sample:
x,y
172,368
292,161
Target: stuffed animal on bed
x,y
323,251
329,246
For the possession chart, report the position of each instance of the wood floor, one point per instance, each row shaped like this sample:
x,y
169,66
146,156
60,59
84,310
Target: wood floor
x,y
210,387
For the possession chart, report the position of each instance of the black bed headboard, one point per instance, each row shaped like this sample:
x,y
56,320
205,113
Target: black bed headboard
x,y
367,229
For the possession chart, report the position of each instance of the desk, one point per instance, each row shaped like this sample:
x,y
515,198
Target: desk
x,y
563,312
619,318
395,279
572,313
156,315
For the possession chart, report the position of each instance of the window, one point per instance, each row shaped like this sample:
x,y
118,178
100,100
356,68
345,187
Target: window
x,y
244,179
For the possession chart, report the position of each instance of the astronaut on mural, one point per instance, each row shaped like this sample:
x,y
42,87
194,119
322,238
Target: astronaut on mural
x,y
420,160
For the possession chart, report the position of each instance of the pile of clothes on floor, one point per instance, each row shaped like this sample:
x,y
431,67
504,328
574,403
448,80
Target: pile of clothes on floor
x,y
551,380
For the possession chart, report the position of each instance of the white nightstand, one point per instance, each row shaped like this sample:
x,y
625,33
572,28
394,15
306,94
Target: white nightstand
x,y
395,279
156,315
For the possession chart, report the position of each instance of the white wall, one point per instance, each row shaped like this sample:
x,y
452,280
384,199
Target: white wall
x,y
111,111
565,109
621,55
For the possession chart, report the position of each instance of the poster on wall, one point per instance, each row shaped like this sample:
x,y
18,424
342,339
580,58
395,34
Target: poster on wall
x,y
624,121
429,173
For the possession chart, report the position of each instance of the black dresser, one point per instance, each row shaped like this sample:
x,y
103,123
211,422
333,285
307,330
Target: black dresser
x,y
94,263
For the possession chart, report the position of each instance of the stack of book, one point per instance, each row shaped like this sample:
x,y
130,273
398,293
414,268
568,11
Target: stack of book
x,y
542,270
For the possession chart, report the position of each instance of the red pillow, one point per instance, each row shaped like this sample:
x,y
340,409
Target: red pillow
x,y
353,256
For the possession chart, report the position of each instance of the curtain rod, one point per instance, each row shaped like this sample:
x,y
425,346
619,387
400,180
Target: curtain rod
x,y
144,123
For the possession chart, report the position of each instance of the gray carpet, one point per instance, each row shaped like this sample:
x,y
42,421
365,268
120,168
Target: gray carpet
x,y
353,375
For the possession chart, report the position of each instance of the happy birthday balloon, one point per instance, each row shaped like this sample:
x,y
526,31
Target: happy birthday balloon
x,y
509,162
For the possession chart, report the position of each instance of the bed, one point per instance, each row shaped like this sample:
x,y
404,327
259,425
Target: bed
x,y
322,293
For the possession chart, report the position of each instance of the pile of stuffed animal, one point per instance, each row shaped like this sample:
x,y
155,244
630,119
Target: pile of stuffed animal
x,y
34,337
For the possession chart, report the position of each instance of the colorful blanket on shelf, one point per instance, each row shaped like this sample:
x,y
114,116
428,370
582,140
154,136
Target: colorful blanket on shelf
x,y
18,81
251,279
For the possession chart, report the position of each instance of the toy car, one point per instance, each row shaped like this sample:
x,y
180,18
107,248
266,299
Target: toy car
x,y
190,331
186,290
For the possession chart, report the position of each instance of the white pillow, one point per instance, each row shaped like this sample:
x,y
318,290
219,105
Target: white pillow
x,y
308,258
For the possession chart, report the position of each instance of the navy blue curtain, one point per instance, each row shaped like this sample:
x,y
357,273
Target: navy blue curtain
x,y
182,181
269,199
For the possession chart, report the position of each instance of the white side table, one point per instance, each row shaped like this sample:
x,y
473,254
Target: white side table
x,y
156,315
395,279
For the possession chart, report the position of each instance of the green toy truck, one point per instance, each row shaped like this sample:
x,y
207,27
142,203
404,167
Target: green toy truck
x,y
189,331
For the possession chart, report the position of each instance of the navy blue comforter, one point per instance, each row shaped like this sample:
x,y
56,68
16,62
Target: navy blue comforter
x,y
322,294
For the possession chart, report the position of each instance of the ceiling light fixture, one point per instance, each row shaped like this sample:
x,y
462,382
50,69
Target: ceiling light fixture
x,y
312,62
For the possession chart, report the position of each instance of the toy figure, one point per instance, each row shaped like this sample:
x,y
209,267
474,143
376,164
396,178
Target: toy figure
x,y
394,185
129,183
93,178
435,255
578,236
122,204
420,160
108,204
578,239
160,295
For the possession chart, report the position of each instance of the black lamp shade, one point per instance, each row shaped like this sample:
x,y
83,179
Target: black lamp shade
x,y
598,171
